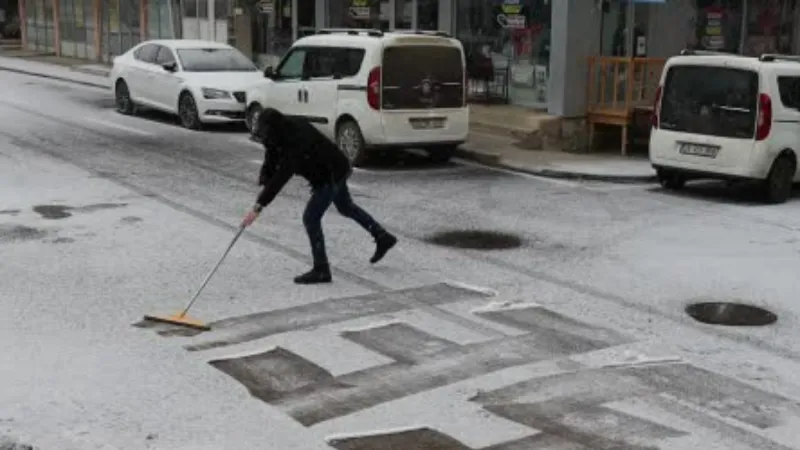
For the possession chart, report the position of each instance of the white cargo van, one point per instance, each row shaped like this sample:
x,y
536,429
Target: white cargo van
x,y
729,117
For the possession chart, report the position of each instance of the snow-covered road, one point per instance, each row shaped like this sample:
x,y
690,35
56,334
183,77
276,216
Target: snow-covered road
x,y
576,339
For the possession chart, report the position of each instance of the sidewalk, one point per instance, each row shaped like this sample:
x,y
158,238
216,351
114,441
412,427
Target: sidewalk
x,y
499,151
58,68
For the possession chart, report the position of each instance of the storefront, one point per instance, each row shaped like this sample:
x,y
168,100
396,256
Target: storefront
x,y
206,19
96,29
510,36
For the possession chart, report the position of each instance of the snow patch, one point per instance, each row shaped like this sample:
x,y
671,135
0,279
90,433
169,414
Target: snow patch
x,y
373,433
243,354
629,358
507,305
371,326
483,290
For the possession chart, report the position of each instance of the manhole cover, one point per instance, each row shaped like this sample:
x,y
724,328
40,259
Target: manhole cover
x,y
476,239
731,314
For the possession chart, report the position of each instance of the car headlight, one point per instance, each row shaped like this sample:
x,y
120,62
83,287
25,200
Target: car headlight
x,y
211,94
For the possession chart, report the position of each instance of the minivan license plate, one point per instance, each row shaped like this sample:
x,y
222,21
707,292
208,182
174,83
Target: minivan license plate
x,y
426,124
699,150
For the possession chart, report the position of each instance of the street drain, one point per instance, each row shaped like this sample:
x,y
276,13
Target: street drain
x,y
730,314
476,240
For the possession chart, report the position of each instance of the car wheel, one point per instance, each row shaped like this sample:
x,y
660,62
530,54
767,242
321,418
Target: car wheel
x,y
187,111
671,181
251,117
122,98
780,179
351,142
441,154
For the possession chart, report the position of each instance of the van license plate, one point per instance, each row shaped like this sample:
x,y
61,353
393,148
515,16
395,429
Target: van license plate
x,y
426,124
699,150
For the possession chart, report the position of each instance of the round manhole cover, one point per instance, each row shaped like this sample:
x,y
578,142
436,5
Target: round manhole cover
x,y
476,240
731,314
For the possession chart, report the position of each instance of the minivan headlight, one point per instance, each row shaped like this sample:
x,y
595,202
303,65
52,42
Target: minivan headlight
x,y
211,94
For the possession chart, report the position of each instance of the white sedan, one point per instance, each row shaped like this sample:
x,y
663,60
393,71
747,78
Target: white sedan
x,y
199,81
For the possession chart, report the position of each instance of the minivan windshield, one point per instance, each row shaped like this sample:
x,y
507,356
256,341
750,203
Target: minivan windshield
x,y
716,101
215,60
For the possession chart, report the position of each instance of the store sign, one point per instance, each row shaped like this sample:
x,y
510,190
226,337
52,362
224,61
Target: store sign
x,y
511,21
360,12
266,7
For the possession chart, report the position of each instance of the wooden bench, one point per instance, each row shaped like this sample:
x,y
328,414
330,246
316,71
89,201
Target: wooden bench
x,y
617,87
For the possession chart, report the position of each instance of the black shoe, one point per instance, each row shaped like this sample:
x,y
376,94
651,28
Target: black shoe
x,y
317,275
383,244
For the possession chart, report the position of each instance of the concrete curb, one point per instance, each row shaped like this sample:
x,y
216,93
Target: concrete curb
x,y
53,77
494,160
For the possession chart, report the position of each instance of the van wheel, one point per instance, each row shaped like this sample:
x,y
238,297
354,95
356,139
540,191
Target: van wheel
x,y
671,181
251,116
778,185
441,154
351,142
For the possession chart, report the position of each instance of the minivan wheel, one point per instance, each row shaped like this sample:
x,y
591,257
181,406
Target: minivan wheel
x,y
187,111
122,98
251,116
441,154
351,142
671,181
778,185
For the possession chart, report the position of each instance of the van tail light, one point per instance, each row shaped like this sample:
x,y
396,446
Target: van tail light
x,y
764,123
374,88
655,117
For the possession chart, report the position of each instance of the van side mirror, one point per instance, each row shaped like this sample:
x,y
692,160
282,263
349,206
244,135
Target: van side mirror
x,y
269,72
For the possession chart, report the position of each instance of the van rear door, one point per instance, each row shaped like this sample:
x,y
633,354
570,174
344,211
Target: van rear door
x,y
708,114
422,76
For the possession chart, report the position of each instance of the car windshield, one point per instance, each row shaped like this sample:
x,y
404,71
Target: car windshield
x,y
215,60
716,101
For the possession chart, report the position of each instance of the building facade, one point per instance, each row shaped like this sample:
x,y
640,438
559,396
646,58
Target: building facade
x,y
539,48
96,30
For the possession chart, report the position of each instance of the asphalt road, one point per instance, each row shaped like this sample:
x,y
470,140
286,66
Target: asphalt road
x,y
575,339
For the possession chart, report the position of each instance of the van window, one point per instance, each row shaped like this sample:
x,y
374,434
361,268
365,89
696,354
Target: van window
x,y
327,61
789,88
716,101
422,77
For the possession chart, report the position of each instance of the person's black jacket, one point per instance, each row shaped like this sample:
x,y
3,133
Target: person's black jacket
x,y
293,146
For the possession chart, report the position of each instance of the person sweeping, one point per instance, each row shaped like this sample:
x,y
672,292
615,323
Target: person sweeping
x,y
293,146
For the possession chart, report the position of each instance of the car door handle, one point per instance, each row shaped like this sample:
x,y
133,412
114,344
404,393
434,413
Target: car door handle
x,y
305,96
300,96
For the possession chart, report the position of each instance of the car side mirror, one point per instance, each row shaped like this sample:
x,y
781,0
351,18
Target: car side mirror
x,y
170,67
269,72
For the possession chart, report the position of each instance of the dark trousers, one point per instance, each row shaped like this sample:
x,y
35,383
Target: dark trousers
x,y
321,198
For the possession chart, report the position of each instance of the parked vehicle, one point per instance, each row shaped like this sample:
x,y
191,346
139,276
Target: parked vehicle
x,y
366,89
728,117
199,81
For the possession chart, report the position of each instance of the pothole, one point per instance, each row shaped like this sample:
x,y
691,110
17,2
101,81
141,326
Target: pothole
x,y
476,239
731,314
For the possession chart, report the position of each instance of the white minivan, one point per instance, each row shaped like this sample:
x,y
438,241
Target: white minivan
x,y
728,117
368,89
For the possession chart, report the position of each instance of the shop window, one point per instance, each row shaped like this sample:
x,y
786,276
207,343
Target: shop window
x,y
195,9
162,17
360,13
718,25
508,39
222,9
427,14
770,27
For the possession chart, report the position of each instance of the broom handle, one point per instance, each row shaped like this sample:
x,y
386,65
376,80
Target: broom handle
x,y
213,271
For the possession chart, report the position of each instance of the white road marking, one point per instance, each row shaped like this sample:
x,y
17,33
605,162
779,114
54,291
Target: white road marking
x,y
120,127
